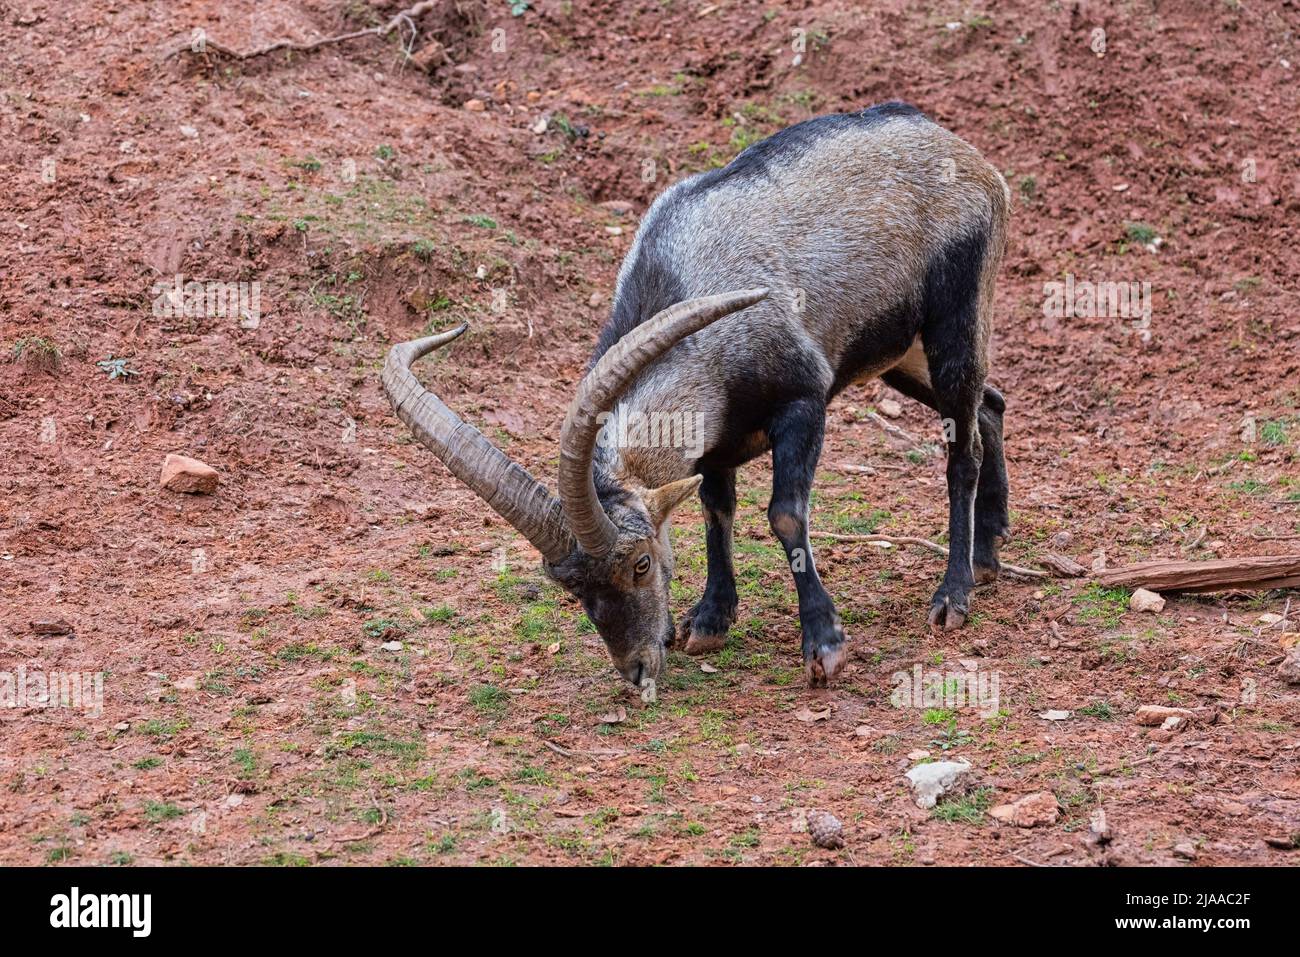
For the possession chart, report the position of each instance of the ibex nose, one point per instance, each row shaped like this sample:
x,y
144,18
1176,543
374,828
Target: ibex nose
x,y
644,665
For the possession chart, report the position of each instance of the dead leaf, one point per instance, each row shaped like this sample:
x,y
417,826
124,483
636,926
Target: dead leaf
x,y
807,716
707,668
617,716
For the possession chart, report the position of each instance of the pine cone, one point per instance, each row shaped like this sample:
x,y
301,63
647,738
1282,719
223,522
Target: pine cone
x,y
825,830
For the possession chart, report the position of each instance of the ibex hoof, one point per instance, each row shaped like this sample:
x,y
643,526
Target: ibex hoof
x,y
704,644
948,612
703,630
824,664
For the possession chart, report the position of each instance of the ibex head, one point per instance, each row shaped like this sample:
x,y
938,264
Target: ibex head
x,y
607,546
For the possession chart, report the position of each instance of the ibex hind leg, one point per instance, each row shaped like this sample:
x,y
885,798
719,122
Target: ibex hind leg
x,y
992,521
953,335
992,524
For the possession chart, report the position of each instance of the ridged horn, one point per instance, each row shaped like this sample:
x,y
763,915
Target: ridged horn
x,y
599,391
507,487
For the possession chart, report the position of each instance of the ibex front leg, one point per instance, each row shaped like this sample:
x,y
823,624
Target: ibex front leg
x,y
796,437
704,629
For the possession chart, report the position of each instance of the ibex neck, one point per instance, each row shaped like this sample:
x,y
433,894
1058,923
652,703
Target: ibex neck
x,y
649,447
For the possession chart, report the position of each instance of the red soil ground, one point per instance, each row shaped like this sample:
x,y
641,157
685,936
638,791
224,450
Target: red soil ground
x,y
251,714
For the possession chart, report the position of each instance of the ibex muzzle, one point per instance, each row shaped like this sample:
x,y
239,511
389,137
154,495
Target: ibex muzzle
x,y
863,245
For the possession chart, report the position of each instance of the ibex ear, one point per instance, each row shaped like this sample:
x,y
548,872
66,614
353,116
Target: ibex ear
x,y
661,501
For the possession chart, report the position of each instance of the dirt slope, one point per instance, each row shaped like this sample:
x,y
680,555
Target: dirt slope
x,y
251,713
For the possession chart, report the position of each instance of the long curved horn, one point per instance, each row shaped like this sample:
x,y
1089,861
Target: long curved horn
x,y
600,390
512,492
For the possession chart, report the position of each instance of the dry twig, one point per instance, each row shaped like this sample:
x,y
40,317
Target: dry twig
x,y
935,547
892,429
402,18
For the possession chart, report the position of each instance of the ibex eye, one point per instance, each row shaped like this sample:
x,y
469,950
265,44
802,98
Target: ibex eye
x,y
642,565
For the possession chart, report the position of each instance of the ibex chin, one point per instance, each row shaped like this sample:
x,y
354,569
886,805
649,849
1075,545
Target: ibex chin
x,y
846,247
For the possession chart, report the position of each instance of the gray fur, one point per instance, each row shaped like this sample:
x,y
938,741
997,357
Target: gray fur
x,y
846,247
849,221
878,236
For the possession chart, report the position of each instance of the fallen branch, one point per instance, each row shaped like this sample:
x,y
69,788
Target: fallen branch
x,y
1063,566
406,16
373,832
592,752
1014,570
892,429
866,469
1189,547
1259,573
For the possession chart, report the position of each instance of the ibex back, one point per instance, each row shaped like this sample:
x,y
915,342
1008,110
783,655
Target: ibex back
x,y
846,247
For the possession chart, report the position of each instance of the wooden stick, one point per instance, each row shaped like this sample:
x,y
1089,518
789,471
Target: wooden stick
x,y
924,543
1257,573
892,429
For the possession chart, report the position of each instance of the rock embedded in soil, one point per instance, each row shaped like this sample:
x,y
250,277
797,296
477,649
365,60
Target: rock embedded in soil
x,y
936,779
1154,715
1289,669
430,56
1144,600
1167,729
51,626
183,474
1030,811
